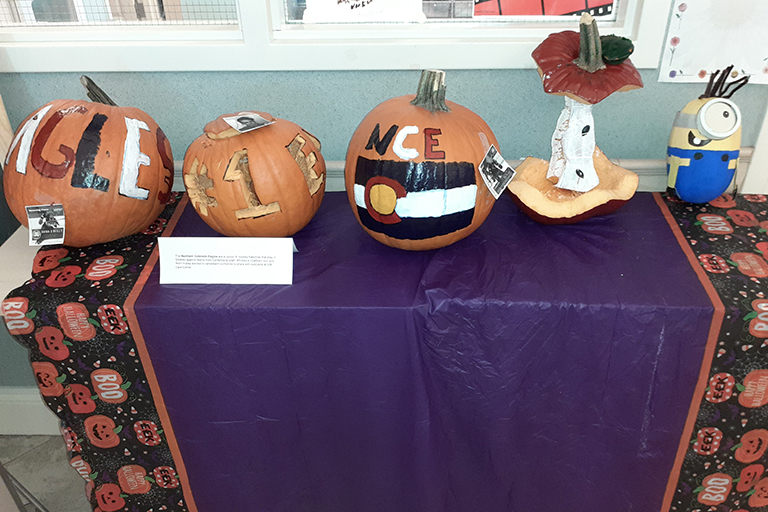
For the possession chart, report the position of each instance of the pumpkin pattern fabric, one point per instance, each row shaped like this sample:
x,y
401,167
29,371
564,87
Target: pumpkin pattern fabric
x,y
87,365
721,463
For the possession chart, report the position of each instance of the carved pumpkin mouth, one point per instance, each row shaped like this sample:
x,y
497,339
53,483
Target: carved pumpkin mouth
x,y
415,200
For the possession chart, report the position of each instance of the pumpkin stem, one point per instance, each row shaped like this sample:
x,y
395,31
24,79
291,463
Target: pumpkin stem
x,y
590,49
95,93
431,92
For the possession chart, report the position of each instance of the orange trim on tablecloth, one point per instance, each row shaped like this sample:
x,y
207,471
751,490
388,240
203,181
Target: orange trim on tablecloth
x,y
147,363
709,353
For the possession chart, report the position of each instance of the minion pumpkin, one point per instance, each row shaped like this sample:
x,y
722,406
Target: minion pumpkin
x,y
704,142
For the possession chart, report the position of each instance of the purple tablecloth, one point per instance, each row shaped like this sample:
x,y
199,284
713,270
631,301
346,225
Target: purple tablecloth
x,y
527,368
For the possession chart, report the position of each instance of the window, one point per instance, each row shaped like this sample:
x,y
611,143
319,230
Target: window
x,y
210,35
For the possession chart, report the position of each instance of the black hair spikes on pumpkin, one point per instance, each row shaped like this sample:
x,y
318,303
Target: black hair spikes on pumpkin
x,y
717,88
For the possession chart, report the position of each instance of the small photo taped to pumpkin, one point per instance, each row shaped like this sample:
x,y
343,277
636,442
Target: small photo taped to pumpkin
x,y
496,172
246,121
46,224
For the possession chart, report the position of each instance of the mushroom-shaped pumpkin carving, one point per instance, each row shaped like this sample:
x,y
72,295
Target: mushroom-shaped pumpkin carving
x,y
579,181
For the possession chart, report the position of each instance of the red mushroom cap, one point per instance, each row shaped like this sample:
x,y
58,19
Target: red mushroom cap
x,y
560,75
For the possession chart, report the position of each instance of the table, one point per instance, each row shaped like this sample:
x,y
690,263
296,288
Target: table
x,y
527,368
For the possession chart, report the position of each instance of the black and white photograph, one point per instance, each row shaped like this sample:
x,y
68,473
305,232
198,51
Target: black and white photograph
x,y
246,121
496,172
46,224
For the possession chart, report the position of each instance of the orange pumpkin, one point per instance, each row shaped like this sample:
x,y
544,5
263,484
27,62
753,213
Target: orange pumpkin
x,y
411,171
110,167
264,182
752,447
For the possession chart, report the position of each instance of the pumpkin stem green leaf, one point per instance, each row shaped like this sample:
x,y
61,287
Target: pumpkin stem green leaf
x,y
698,489
616,49
431,91
95,93
740,388
590,49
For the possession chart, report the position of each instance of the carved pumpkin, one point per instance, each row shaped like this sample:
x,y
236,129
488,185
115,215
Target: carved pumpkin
x,y
268,181
110,167
412,174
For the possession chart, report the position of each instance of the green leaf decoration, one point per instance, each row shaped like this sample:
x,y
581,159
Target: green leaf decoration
x,y
758,251
698,489
159,431
118,429
736,480
93,475
61,378
120,267
149,479
126,385
62,260
740,387
751,492
94,322
733,263
79,440
80,275
750,316
68,343
693,440
616,49
94,397
762,230
736,447
698,223
123,495
32,314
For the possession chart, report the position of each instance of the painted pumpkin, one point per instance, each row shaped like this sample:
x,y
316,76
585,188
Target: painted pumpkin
x,y
79,399
411,172
755,393
752,447
50,340
132,479
48,259
110,167
749,476
760,497
267,182
101,431
47,377
108,497
146,432
715,489
165,477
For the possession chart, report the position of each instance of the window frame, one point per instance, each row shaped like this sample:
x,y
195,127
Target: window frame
x,y
264,41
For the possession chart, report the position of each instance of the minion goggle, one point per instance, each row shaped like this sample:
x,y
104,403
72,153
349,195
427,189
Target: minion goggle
x,y
718,118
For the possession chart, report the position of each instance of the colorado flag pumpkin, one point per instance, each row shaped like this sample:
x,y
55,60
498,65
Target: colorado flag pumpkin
x,y
110,167
411,171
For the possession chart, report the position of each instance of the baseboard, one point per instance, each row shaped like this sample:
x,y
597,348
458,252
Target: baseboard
x,y
23,413
652,173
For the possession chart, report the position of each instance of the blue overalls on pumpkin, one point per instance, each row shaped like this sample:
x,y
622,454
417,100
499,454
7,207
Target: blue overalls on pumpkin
x,y
707,175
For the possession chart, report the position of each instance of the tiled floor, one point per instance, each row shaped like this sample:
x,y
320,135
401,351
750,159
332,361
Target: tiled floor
x,y
41,465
